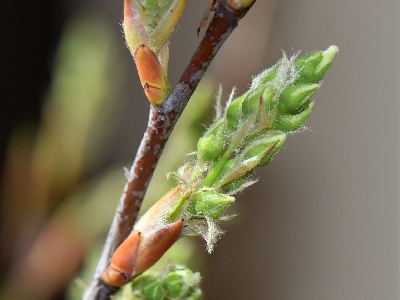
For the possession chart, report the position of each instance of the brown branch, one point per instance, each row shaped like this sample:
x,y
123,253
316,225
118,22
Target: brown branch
x,y
162,120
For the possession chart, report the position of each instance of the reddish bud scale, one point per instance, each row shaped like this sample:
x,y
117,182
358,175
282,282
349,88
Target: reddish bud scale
x,y
139,252
123,261
158,242
152,75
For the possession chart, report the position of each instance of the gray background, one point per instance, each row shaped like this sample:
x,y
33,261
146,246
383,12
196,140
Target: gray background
x,y
323,221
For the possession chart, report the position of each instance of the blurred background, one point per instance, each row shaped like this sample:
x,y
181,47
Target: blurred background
x,y
322,223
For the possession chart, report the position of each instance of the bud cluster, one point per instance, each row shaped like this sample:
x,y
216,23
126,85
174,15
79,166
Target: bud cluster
x,y
174,282
245,135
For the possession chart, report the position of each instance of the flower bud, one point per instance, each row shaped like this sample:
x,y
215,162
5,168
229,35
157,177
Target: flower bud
x,y
252,101
265,77
147,27
263,144
152,75
293,99
182,283
241,165
313,66
236,183
157,230
139,252
150,23
211,144
293,122
153,289
234,112
173,282
209,203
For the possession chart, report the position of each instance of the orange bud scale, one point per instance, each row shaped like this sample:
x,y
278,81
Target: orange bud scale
x,y
139,252
152,75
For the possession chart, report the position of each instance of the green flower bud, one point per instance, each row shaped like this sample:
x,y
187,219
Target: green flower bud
x,y
238,167
313,66
262,146
195,295
234,112
293,99
175,284
235,184
211,144
181,283
252,101
265,77
209,203
293,122
153,289
306,66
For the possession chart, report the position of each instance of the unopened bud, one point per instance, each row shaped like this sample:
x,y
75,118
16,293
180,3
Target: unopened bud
x,y
262,146
236,183
209,203
152,288
252,101
293,122
153,245
123,262
239,166
234,113
152,75
150,22
293,99
182,283
211,144
313,66
139,252
173,282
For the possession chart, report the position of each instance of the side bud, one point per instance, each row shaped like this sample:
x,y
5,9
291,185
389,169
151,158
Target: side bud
x,y
152,75
293,99
173,282
209,203
238,167
211,144
234,112
152,236
252,101
263,145
293,122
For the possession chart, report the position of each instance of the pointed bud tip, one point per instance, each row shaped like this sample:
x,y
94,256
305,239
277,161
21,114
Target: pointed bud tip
x,y
327,57
154,244
294,98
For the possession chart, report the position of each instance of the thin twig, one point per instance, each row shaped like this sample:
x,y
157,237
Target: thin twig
x,y
162,119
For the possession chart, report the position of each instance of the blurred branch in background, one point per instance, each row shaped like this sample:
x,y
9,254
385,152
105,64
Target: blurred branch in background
x,y
44,174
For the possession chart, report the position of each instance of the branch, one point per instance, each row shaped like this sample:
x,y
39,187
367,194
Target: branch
x,y
162,120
